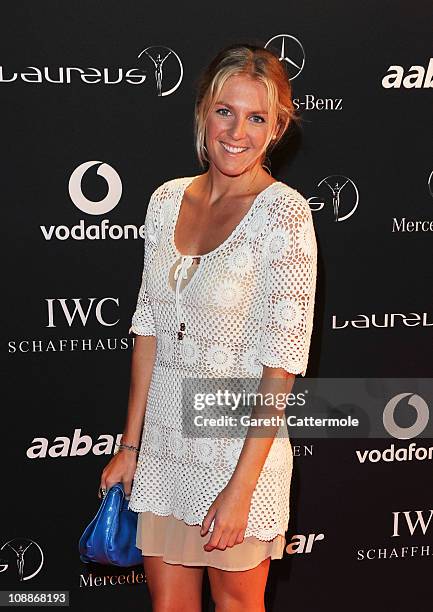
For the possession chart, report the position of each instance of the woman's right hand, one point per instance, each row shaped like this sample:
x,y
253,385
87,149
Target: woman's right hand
x,y
121,468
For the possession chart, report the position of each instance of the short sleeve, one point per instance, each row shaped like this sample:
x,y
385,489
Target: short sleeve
x,y
290,249
143,323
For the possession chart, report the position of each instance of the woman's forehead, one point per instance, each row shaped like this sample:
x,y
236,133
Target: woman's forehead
x,y
244,91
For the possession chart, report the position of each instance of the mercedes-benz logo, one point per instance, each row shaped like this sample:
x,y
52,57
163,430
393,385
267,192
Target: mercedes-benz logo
x,y
290,51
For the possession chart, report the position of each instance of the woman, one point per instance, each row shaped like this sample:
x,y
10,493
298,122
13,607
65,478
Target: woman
x,y
227,292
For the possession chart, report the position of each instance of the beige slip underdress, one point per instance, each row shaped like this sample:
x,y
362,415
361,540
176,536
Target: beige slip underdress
x,y
176,542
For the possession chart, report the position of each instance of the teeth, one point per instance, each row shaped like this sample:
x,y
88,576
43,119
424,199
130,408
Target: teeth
x,y
233,149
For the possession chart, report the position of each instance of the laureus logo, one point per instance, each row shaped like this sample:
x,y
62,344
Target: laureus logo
x,y
161,62
167,68
339,191
289,51
23,554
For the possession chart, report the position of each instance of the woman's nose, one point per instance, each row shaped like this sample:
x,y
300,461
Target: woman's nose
x,y
238,129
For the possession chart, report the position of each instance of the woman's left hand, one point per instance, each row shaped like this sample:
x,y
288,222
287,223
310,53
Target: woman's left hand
x,y
230,511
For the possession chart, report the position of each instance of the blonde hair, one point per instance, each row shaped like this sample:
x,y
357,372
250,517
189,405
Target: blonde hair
x,y
258,63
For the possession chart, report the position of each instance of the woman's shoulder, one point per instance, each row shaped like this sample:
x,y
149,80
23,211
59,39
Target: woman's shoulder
x,y
286,201
162,200
290,193
170,187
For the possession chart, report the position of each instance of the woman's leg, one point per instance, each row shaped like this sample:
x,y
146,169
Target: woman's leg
x,y
243,590
173,588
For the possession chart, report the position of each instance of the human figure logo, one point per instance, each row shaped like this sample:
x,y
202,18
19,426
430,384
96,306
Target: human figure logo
x,y
173,69
26,554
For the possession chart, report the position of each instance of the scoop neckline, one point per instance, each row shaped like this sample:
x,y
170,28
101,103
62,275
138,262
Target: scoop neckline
x,y
235,230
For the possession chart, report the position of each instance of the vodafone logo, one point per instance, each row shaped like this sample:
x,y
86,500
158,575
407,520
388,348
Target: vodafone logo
x,y
102,230
411,452
91,207
422,416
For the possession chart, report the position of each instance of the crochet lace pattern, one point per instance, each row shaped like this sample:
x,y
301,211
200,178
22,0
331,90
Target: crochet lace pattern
x,y
249,303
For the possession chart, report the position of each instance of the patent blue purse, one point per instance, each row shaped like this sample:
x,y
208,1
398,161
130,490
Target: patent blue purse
x,y
110,537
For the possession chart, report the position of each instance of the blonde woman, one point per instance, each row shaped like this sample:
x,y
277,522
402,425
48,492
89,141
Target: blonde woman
x,y
227,291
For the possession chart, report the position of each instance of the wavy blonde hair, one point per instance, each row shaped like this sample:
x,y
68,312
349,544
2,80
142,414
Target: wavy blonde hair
x,y
258,63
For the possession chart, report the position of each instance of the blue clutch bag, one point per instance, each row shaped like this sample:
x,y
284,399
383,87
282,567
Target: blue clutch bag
x,y
110,537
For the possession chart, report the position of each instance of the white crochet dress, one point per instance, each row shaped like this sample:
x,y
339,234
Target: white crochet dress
x,y
250,302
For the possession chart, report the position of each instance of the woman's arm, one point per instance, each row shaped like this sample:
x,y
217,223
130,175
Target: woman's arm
x,y
259,439
286,327
142,362
233,502
122,465
282,349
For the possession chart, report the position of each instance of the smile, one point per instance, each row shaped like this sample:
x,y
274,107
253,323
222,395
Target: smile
x,y
233,150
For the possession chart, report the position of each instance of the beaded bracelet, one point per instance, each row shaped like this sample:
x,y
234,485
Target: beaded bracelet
x,y
127,446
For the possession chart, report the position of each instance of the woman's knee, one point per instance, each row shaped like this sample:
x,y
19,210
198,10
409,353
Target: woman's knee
x,y
225,602
173,587
164,602
239,590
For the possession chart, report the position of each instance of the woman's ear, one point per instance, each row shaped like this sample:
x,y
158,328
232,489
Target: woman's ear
x,y
276,130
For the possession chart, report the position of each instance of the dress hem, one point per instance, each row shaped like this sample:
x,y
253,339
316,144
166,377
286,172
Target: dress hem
x,y
182,518
178,543
210,564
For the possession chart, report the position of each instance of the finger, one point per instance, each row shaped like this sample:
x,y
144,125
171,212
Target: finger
x,y
104,488
207,521
233,538
213,540
127,487
102,485
222,544
240,537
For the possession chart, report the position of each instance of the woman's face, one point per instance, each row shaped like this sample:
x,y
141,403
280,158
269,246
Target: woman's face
x,y
238,125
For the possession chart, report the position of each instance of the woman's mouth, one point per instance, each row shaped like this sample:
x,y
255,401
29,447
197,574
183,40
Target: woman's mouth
x,y
233,150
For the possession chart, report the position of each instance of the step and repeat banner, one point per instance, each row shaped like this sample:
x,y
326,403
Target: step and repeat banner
x,y
96,103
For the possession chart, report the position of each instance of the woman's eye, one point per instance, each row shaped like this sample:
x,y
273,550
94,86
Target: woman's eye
x,y
224,112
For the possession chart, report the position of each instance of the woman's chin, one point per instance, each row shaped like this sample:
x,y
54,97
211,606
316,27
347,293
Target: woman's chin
x,y
232,167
